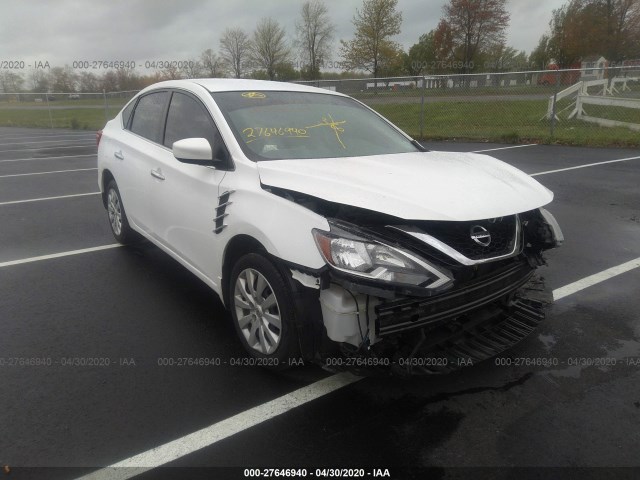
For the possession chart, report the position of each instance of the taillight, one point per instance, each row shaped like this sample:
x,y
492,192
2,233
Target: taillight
x,y
98,137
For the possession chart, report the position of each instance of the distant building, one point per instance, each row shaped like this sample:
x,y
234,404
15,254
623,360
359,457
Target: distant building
x,y
550,77
593,67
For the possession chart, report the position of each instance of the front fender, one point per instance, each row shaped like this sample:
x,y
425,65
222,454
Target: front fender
x,y
281,226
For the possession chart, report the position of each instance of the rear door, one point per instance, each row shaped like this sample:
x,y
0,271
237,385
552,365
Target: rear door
x,y
135,156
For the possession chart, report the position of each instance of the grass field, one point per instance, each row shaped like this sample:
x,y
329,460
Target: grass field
x,y
510,122
75,118
501,121
613,113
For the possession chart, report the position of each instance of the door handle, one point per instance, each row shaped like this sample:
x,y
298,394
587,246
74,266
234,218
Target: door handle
x,y
118,155
157,173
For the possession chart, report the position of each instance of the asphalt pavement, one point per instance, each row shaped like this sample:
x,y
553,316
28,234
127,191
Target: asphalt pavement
x,y
86,341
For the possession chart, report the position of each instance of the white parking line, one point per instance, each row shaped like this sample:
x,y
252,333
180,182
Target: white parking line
x,y
13,202
45,141
45,173
59,255
584,166
68,137
504,148
595,279
47,158
219,431
212,434
91,144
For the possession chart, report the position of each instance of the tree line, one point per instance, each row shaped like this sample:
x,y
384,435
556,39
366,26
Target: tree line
x,y
583,28
469,38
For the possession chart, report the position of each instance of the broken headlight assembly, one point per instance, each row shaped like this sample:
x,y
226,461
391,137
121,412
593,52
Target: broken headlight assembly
x,y
374,260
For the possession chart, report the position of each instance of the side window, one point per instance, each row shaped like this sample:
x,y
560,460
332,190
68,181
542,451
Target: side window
x,y
147,117
126,114
188,118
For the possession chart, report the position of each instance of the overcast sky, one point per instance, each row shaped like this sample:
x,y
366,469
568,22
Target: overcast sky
x,y
64,31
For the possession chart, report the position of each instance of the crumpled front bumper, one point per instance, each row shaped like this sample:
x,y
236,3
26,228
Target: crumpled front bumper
x,y
475,335
443,333
409,313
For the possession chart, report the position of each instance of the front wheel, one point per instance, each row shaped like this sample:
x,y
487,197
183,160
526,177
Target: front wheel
x,y
262,310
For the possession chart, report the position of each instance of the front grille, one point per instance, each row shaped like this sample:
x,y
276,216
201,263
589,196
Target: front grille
x,y
400,315
457,235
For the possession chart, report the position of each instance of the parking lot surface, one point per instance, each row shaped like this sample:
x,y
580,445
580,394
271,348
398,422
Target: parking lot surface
x,y
92,338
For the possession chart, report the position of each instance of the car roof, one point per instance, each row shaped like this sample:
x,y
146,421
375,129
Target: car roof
x,y
236,84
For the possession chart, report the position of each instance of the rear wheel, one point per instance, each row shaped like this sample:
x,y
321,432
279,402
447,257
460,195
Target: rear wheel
x,y
262,310
118,221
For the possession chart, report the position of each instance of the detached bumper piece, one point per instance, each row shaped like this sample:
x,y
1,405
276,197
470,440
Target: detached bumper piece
x,y
477,335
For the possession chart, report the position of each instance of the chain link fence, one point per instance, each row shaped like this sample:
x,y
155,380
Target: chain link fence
x,y
581,106
77,111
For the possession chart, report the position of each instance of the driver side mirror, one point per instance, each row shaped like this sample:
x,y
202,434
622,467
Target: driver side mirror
x,y
195,151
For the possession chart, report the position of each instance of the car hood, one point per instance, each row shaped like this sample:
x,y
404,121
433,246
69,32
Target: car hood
x,y
413,186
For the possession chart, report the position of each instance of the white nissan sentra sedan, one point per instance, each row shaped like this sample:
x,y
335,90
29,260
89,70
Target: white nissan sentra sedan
x,y
329,233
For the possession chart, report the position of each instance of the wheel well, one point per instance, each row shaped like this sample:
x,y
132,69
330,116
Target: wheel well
x,y
237,247
106,178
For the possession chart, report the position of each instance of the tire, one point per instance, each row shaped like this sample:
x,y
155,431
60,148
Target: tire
x,y
263,311
118,221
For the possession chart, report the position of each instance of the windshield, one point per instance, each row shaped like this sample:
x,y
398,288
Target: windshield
x,y
293,125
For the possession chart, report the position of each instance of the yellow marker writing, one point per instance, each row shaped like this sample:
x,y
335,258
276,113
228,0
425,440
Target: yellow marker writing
x,y
335,126
254,95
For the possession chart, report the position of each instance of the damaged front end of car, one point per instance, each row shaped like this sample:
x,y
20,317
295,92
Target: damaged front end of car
x,y
423,297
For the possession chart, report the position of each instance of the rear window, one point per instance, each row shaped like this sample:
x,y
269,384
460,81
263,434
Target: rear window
x,y
148,116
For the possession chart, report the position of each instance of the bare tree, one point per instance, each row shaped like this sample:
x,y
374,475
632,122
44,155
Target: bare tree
x,y
88,82
63,79
476,25
109,81
171,72
10,82
269,46
39,80
192,68
314,35
234,50
375,24
212,64
128,79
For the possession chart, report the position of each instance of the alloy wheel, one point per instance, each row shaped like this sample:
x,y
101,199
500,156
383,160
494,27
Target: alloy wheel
x,y
115,211
257,311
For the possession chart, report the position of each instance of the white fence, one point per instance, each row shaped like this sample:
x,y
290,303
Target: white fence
x,y
583,100
580,88
579,92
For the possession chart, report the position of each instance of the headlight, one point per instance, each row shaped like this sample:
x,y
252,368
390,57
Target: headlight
x,y
377,261
558,237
